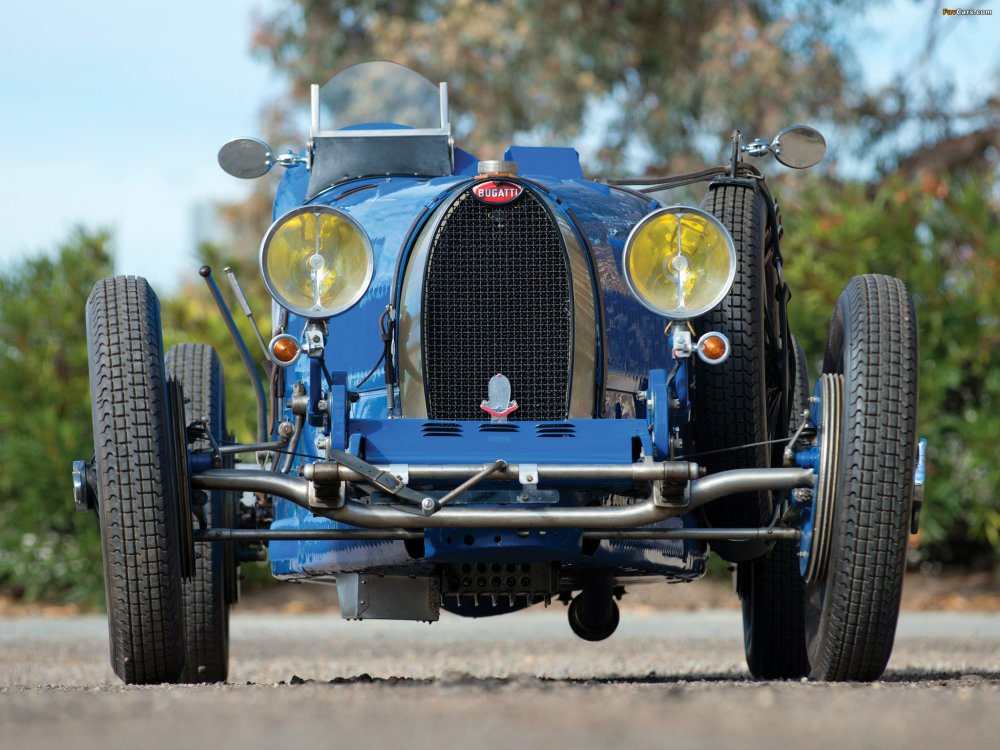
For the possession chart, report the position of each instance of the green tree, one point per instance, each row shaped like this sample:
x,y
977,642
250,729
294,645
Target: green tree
x,y
942,237
648,78
46,548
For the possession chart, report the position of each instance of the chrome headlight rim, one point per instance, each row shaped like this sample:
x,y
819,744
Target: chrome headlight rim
x,y
318,208
684,313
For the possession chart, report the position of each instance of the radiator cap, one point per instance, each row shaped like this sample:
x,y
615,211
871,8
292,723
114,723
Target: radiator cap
x,y
497,169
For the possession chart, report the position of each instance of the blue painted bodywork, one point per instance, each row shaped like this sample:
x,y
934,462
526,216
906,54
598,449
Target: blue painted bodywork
x,y
631,343
575,441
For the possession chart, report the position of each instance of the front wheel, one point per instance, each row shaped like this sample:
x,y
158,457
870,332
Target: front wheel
x,y
853,593
137,503
771,589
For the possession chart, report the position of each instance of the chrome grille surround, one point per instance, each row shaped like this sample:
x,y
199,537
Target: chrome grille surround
x,y
580,322
497,298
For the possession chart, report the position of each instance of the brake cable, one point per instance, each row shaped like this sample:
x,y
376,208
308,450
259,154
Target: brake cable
x,y
385,332
689,456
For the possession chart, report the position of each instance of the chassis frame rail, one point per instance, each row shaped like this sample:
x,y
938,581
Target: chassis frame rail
x,y
337,535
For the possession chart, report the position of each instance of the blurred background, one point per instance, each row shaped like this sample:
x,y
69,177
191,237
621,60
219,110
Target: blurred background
x,y
113,112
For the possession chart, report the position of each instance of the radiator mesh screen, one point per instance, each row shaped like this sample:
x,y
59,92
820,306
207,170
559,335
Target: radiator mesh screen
x,y
497,299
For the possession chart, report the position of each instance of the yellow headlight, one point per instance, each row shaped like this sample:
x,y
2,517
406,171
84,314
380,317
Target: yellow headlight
x,y
680,262
316,261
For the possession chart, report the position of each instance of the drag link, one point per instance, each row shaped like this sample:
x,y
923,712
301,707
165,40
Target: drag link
x,y
430,505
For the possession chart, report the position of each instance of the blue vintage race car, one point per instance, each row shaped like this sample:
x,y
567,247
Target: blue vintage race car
x,y
498,383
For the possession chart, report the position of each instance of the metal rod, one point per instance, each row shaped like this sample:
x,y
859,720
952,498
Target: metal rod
x,y
472,481
313,111
269,535
286,461
254,447
725,483
646,472
373,516
248,363
698,534
443,100
302,491
245,306
291,488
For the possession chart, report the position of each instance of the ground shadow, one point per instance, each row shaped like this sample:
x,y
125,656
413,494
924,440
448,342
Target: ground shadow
x,y
937,675
944,677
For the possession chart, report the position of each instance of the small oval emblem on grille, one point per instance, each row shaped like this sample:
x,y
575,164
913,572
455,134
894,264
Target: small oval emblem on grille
x,y
496,191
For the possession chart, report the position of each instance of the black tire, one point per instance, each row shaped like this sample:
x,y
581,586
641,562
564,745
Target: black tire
x,y
771,589
135,482
851,615
206,610
734,403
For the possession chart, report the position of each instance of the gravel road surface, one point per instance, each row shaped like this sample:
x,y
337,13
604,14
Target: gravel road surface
x,y
664,680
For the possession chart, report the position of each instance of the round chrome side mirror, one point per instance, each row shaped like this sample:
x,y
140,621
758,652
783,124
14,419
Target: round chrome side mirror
x,y
798,146
246,158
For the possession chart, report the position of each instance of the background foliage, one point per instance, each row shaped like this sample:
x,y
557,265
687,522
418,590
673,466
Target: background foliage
x,y
46,548
942,236
643,86
653,77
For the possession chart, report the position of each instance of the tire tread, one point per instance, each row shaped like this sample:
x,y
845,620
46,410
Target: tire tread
x,y
868,555
206,623
135,486
729,400
775,598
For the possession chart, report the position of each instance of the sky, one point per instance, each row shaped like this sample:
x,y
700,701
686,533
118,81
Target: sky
x,y
112,113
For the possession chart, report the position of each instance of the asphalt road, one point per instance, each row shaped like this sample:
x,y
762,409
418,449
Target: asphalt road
x,y
664,680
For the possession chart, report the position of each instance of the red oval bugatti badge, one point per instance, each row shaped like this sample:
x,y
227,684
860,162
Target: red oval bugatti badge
x,y
496,191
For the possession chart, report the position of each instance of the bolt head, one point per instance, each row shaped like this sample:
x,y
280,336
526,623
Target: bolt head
x,y
428,503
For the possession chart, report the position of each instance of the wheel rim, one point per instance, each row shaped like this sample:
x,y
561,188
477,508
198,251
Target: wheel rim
x,y
182,482
818,527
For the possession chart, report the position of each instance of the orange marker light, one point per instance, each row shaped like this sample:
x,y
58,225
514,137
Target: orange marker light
x,y
713,348
284,350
